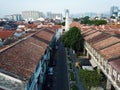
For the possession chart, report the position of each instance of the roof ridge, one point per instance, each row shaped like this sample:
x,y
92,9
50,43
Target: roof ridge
x,y
114,58
109,45
15,43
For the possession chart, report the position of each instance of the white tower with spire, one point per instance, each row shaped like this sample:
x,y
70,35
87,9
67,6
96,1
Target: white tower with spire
x,y
67,20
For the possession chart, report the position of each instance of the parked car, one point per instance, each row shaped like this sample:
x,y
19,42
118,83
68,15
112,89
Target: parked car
x,y
50,71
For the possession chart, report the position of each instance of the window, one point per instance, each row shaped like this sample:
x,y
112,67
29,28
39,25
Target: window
x,y
114,73
119,77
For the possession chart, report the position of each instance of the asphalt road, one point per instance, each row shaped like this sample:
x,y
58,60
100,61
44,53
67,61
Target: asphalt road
x,y
61,75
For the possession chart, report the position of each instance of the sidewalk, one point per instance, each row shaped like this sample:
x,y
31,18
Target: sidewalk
x,y
79,84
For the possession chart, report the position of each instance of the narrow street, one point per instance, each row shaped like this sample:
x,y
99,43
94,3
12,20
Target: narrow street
x,y
60,75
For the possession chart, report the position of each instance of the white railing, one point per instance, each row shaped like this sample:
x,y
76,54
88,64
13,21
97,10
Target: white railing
x,y
102,64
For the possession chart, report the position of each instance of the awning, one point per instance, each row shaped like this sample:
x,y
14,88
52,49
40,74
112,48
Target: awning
x,y
90,68
93,63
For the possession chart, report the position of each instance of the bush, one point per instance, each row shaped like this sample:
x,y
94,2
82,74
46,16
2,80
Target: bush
x,y
89,78
72,76
74,87
70,65
69,58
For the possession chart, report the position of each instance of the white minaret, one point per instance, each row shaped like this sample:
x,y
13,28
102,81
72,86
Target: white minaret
x,y
67,20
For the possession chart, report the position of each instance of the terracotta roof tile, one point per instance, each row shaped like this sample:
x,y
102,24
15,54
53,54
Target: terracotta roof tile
x,y
98,38
111,52
6,34
113,26
90,36
22,58
1,29
105,43
46,34
115,64
88,33
107,28
116,31
75,24
85,31
57,26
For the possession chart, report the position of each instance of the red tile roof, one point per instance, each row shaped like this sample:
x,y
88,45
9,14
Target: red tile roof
x,y
85,31
115,64
21,60
113,26
6,34
88,33
116,31
1,29
57,26
107,28
111,52
90,36
105,43
75,24
98,38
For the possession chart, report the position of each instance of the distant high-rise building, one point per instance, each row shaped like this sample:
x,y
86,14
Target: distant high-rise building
x,y
114,11
15,17
54,16
119,13
67,20
9,17
57,16
49,15
41,14
31,15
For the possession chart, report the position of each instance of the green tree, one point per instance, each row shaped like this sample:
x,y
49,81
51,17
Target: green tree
x,y
62,23
76,19
99,22
113,17
73,39
89,78
87,21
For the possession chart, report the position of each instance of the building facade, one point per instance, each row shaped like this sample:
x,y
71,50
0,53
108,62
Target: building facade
x,y
114,11
54,16
15,17
103,51
23,64
31,15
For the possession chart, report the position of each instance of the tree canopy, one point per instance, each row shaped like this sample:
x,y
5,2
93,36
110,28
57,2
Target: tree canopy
x,y
76,19
86,20
73,39
89,78
113,17
62,23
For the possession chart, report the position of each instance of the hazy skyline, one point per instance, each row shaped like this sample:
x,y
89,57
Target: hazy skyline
x,y
57,6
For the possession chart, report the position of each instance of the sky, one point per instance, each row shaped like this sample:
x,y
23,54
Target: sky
x,y
9,7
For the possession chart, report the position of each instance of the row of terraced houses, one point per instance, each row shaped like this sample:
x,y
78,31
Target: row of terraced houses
x,y
102,46
23,63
